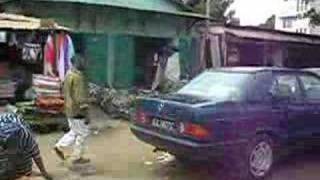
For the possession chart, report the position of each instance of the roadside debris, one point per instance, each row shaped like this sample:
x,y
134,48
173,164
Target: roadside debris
x,y
120,103
165,158
148,163
83,169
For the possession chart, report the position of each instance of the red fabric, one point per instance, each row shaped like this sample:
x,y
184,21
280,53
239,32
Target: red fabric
x,y
4,70
60,43
13,53
50,51
50,103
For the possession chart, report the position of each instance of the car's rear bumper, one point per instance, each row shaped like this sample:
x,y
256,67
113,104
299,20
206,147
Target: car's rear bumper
x,y
183,147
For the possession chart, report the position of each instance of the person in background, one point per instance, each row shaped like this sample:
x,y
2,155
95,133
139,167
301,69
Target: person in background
x,y
161,59
19,148
76,110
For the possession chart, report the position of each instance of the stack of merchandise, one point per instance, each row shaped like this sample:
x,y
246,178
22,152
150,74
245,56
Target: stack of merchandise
x,y
52,105
7,89
49,95
26,107
46,86
4,69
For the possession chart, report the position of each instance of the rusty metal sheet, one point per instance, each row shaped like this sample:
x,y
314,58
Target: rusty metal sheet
x,y
19,22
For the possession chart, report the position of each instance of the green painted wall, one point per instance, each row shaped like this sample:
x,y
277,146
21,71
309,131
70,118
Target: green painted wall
x,y
111,58
124,61
96,50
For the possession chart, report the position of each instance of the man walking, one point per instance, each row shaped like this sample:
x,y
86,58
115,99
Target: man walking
x,y
76,108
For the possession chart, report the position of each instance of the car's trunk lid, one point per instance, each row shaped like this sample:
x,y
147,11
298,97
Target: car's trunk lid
x,y
165,109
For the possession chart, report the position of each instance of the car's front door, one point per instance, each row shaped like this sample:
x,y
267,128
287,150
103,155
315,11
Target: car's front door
x,y
288,93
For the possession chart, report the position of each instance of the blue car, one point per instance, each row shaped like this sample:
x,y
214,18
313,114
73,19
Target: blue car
x,y
247,112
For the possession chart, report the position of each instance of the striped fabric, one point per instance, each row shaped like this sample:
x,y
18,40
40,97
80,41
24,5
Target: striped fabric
x,y
27,148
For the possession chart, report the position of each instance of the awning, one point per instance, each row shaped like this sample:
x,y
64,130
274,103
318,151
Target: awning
x,y
20,22
265,35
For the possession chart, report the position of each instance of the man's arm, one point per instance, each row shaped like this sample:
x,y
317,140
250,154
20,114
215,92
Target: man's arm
x,y
39,162
33,150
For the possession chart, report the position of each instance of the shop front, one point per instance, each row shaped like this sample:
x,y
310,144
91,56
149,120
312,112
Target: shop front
x,y
220,46
35,55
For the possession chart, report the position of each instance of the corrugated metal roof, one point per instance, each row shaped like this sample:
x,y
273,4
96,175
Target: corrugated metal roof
x,y
19,22
161,6
265,34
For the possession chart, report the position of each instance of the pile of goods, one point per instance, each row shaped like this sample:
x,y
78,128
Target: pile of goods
x,y
39,121
7,89
52,105
47,86
49,94
117,103
7,86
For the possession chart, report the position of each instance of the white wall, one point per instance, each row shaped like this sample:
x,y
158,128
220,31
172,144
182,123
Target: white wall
x,y
289,9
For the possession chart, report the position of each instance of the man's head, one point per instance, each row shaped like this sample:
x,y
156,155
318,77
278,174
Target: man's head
x,y
79,63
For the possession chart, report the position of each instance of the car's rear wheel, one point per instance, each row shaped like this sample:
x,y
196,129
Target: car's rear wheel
x,y
260,157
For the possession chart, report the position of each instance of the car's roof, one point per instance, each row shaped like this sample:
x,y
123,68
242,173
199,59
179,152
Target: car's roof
x,y
255,69
312,69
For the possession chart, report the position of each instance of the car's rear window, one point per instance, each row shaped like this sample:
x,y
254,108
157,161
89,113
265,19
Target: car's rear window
x,y
220,86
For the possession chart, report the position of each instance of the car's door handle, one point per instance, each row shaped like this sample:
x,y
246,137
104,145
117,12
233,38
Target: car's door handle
x,y
223,121
276,107
316,113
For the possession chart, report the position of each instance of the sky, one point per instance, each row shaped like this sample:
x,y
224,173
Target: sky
x,y
254,12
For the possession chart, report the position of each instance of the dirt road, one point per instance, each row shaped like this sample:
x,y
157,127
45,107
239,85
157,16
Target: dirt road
x,y
117,154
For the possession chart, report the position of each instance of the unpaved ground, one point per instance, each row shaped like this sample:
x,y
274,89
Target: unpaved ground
x,y
117,154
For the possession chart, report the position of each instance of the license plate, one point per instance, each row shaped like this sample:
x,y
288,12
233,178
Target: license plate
x,y
162,124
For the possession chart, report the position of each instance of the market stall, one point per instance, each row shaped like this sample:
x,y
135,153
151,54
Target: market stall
x,y
35,55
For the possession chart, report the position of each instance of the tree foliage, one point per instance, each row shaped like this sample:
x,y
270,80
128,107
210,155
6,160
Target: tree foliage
x,y
270,23
314,16
218,8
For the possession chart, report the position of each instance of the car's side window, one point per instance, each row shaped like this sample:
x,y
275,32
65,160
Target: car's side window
x,y
311,86
260,85
286,86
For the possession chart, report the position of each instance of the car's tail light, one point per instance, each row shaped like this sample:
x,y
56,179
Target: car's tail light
x,y
194,130
141,117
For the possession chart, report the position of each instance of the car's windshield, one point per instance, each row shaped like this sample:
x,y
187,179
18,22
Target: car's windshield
x,y
218,86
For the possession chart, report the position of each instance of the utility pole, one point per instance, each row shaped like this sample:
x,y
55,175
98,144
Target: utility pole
x,y
208,12
208,4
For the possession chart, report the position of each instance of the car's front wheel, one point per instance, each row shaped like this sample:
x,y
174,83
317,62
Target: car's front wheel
x,y
260,157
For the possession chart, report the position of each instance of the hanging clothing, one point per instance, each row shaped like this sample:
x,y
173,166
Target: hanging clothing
x,y
60,63
162,60
66,52
50,56
71,52
32,53
50,52
172,72
13,40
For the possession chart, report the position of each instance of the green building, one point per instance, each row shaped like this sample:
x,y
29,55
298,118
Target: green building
x,y
117,36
